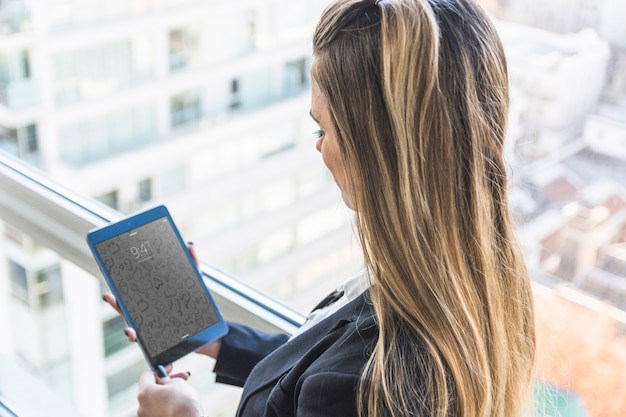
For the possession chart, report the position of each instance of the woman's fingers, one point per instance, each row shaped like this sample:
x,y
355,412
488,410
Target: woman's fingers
x,y
112,301
192,252
166,397
164,374
130,334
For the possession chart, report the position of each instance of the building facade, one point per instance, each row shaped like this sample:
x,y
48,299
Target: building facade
x,y
558,80
200,105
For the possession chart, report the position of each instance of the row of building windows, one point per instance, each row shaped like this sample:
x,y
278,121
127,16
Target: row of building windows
x,y
40,290
238,153
110,134
225,214
106,135
271,197
216,161
100,137
98,71
284,241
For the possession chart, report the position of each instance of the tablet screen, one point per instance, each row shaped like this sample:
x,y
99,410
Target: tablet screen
x,y
157,284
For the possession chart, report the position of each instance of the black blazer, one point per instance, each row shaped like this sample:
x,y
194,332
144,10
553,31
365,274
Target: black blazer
x,y
314,374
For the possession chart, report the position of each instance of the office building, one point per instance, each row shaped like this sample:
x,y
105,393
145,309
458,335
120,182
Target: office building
x,y
200,105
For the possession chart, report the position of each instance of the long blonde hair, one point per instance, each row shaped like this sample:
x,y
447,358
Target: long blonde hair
x,y
418,94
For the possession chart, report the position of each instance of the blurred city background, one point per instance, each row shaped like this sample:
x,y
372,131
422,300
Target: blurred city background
x,y
203,105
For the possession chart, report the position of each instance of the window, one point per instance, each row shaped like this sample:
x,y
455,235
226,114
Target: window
x,y
15,16
185,108
110,199
45,292
31,145
19,282
295,77
17,89
14,67
235,99
183,48
101,70
145,190
113,332
21,142
100,137
49,286
254,89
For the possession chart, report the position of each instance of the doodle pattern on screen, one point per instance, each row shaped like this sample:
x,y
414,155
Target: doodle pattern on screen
x,y
157,284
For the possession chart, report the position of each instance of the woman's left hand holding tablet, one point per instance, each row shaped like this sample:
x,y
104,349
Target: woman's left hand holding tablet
x,y
162,396
169,396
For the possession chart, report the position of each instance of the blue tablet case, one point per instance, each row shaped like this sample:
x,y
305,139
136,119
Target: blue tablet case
x,y
157,284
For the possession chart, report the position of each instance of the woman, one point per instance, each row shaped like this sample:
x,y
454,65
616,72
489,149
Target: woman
x,y
411,99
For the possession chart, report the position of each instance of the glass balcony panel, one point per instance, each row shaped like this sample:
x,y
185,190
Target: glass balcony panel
x,y
20,94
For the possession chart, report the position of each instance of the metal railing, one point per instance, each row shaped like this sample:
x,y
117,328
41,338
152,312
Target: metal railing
x,y
59,219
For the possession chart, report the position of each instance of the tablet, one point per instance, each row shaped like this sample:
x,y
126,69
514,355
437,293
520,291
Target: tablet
x,y
157,284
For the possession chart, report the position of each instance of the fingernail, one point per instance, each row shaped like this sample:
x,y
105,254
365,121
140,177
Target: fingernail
x,y
188,373
161,371
190,243
126,332
103,298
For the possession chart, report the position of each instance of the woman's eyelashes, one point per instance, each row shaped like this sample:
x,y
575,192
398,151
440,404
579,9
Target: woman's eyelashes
x,y
318,133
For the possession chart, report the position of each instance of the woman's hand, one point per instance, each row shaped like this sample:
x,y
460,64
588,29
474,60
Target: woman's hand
x,y
169,396
211,349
